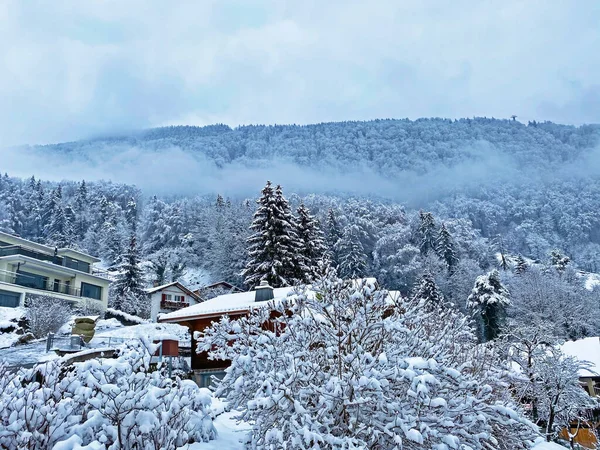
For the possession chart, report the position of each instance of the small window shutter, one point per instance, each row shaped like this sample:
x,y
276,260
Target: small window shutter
x,y
164,297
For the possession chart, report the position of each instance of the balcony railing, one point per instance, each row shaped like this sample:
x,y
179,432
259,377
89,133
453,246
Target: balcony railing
x,y
19,250
31,282
165,304
66,261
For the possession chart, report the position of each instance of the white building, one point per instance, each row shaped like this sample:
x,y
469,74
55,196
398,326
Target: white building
x,y
170,297
30,268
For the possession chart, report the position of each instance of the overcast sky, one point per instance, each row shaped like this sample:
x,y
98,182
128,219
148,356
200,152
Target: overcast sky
x,y
73,69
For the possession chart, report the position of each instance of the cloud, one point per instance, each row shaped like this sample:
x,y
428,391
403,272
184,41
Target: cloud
x,y
73,69
174,171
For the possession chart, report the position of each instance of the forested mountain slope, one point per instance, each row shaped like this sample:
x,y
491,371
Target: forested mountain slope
x,y
387,145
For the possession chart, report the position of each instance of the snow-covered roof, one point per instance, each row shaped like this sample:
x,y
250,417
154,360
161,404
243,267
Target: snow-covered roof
x,y
176,284
242,301
587,349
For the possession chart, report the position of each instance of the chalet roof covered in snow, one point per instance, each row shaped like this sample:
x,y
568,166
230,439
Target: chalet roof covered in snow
x,y
175,284
587,349
238,302
242,301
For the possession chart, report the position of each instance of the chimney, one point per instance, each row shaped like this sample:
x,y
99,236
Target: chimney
x,y
264,292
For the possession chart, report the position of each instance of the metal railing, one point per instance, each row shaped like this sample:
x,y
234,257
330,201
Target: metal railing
x,y
40,283
166,304
20,250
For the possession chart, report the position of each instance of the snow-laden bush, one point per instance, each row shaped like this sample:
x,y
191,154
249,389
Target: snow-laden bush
x,y
46,314
114,404
350,367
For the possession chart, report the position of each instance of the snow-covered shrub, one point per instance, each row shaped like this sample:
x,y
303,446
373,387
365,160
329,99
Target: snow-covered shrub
x,y
123,317
114,404
350,367
46,314
550,379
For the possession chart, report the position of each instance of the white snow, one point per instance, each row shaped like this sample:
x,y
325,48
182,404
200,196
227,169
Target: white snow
x,y
243,301
8,319
587,349
541,444
231,434
591,281
145,331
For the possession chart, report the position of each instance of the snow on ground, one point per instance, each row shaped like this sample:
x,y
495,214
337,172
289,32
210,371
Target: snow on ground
x,y
147,331
109,333
8,319
587,349
541,444
232,433
591,281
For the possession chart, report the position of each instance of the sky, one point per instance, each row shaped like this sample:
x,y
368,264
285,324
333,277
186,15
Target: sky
x,y
77,69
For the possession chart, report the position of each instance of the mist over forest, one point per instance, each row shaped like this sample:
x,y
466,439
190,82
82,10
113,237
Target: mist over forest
x,y
529,188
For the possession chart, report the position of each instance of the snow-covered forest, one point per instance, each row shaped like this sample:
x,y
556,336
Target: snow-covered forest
x,y
534,185
484,265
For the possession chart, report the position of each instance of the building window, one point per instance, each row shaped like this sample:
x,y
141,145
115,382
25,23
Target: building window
x,y
31,280
9,299
91,291
76,264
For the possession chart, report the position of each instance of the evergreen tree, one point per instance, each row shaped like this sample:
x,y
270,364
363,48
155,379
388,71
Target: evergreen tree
x,y
521,265
445,248
427,291
81,210
353,260
273,246
559,261
128,293
489,299
426,231
131,214
311,242
112,236
333,234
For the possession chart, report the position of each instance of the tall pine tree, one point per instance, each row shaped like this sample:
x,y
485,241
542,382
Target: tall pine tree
x,y
427,232
311,242
445,248
273,245
128,293
488,300
353,261
427,292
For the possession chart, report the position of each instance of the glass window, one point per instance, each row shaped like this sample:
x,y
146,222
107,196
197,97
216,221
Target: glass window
x,y
31,280
91,291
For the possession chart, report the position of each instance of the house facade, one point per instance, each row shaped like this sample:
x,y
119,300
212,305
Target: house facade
x,y
170,297
29,268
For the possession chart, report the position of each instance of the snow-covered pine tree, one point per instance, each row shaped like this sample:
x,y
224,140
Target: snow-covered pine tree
x,y
427,232
353,260
112,237
445,248
273,246
81,209
128,290
60,229
131,214
559,261
333,234
311,242
521,265
427,292
489,299
351,367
